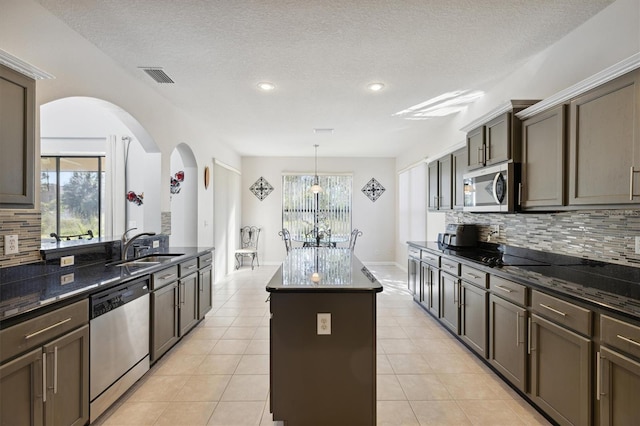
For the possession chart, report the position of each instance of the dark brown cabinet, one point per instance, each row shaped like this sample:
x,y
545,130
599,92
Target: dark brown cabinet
x,y
618,388
604,144
475,148
21,390
441,183
450,301
205,281
473,317
543,159
498,139
164,319
188,303
560,372
49,384
17,137
459,165
508,340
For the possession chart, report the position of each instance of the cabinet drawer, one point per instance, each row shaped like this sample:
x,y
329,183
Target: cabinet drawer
x,y
188,267
620,335
509,290
474,276
565,313
34,332
431,259
164,277
450,265
205,260
414,252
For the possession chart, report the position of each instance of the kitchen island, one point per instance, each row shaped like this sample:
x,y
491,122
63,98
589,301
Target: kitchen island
x,y
323,339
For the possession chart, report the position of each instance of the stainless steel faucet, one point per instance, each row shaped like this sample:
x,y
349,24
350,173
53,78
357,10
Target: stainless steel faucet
x,y
125,244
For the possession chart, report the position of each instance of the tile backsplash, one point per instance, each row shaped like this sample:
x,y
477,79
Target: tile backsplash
x,y
606,235
25,224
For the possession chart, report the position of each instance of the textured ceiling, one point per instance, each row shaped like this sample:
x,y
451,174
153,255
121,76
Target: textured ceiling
x,y
320,55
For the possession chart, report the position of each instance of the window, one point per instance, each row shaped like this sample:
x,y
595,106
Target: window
x,y
332,206
71,194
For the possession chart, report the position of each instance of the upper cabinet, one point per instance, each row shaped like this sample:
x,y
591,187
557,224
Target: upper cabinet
x,y
441,184
604,144
543,156
459,165
17,138
495,137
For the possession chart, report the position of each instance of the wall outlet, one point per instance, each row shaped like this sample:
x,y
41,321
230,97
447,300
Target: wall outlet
x,y
155,244
11,244
637,245
324,323
496,229
67,260
67,279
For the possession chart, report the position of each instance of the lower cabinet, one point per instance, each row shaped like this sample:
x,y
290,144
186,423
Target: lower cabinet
x,y
430,289
618,387
164,319
188,303
507,340
560,372
49,385
450,301
205,281
473,317
413,277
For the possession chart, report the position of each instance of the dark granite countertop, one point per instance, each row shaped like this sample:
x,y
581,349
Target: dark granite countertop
x,y
607,285
337,268
26,289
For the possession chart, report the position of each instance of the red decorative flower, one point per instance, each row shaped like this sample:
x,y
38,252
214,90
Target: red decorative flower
x,y
180,176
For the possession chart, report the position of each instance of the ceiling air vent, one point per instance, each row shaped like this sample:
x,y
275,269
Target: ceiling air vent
x,y
157,74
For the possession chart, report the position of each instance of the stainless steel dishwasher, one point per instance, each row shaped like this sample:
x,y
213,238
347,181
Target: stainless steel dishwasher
x,y
119,342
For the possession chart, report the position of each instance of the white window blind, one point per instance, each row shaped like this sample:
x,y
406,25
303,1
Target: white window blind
x,y
332,206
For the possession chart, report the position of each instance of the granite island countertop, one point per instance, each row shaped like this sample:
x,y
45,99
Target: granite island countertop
x,y
337,269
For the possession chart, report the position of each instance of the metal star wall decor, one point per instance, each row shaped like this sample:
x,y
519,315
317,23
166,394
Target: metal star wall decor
x,y
373,189
261,188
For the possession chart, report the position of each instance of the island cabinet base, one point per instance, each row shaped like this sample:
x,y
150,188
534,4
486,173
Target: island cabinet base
x,y
323,379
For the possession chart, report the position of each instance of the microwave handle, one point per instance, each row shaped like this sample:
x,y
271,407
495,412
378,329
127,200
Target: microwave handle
x,y
494,187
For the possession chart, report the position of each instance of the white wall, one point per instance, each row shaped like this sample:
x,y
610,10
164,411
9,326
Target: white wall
x,y
184,216
31,33
606,39
376,219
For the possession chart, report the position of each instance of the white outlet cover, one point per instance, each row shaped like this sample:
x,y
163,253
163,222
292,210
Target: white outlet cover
x,y
11,244
324,323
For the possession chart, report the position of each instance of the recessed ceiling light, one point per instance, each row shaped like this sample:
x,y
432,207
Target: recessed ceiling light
x,y
266,86
375,87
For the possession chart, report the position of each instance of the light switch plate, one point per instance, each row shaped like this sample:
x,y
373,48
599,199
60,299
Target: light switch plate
x,y
67,261
324,323
11,244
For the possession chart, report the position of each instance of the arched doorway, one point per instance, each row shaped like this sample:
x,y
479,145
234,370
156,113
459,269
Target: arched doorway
x,y
184,197
81,127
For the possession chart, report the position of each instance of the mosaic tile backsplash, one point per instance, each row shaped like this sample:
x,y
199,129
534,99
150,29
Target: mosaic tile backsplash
x,y
25,224
606,235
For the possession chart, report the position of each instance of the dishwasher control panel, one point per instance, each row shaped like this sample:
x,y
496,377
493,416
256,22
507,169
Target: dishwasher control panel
x,y
113,298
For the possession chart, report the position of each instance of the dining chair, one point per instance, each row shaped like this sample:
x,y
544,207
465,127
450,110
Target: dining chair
x,y
286,236
354,236
248,245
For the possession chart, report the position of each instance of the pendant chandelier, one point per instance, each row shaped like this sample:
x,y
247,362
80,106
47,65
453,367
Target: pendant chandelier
x,y
316,188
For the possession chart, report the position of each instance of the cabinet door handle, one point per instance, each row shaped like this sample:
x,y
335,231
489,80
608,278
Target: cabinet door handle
x,y
474,276
553,310
529,349
44,377
628,340
166,277
44,330
190,267
520,193
517,328
505,289
598,376
480,154
55,369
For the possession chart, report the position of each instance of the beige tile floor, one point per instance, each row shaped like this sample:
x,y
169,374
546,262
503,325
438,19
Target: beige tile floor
x,y
219,373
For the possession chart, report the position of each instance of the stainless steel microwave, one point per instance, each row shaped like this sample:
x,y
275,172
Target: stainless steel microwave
x,y
492,189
